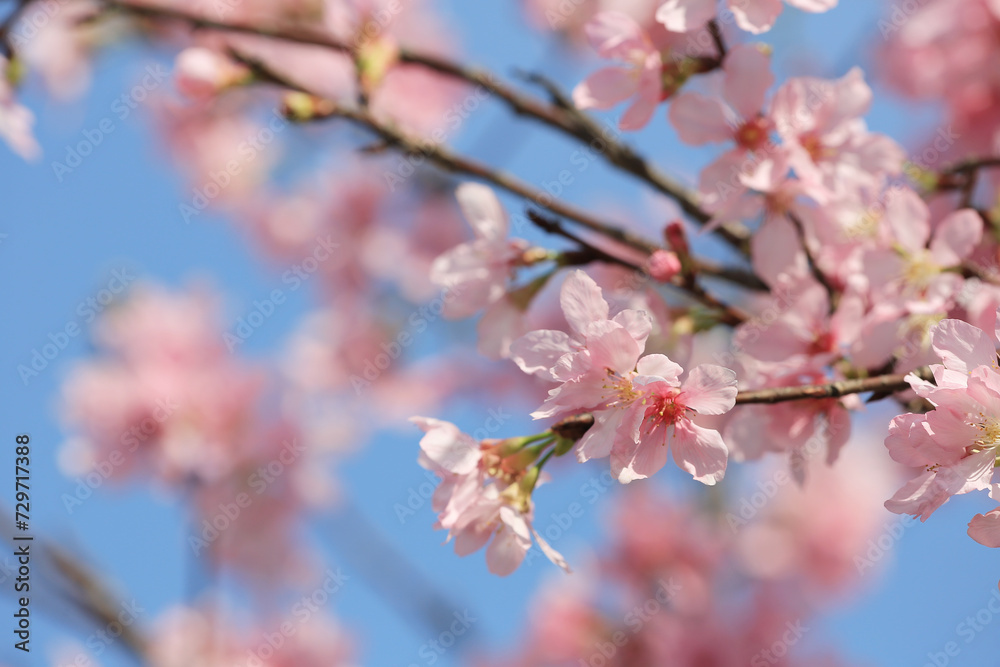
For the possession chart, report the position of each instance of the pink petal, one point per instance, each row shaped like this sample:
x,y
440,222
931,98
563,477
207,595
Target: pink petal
x,y
615,350
910,442
615,35
919,497
508,548
647,98
582,301
699,451
551,553
537,352
908,217
956,237
447,446
709,390
850,99
985,528
605,88
813,5
747,79
685,15
660,366
648,457
699,119
482,210
637,323
962,346
755,16
597,441
776,250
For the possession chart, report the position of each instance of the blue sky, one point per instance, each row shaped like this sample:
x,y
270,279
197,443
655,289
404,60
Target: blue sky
x,y
118,211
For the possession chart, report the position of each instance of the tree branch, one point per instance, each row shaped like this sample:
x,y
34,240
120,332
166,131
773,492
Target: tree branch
x,y
569,121
882,384
575,426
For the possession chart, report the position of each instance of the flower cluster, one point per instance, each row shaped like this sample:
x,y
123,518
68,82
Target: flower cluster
x,y
957,443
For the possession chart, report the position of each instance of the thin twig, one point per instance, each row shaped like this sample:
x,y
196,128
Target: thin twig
x,y
887,384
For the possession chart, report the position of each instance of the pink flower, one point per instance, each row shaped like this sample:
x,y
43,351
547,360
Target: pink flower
x,y
829,146
754,16
958,442
747,76
913,274
474,275
616,36
655,415
541,352
640,407
484,495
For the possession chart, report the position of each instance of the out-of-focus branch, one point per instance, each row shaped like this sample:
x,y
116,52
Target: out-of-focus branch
x,y
445,159
560,116
78,588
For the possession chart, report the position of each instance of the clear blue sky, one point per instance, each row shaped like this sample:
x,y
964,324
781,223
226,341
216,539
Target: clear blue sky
x,y
119,208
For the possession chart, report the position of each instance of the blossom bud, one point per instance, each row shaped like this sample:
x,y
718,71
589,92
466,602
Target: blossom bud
x,y
663,265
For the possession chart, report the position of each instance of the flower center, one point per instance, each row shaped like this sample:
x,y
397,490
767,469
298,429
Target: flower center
x,y
814,146
619,391
920,269
664,411
753,134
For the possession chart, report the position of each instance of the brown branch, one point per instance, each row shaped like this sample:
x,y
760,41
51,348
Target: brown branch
x,y
575,426
569,121
445,159
971,165
589,253
881,384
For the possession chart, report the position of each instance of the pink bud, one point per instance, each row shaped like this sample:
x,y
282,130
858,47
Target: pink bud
x,y
664,265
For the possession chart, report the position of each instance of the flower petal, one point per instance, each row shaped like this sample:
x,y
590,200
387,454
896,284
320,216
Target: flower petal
x,y
709,390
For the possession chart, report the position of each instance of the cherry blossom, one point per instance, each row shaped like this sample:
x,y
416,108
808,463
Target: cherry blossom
x,y
616,36
485,494
956,443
